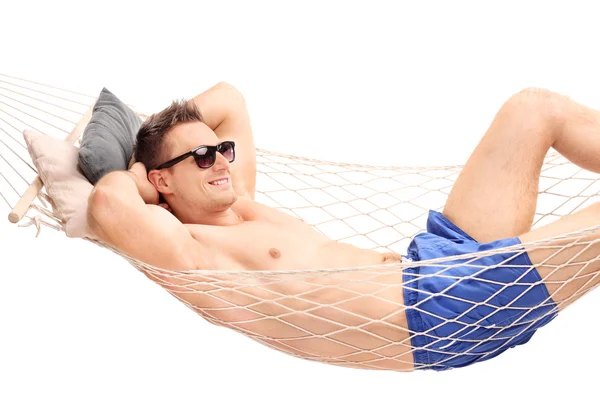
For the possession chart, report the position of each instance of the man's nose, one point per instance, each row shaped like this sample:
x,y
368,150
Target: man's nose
x,y
221,162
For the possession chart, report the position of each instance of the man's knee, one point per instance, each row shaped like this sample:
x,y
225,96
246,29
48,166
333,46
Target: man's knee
x,y
534,93
537,105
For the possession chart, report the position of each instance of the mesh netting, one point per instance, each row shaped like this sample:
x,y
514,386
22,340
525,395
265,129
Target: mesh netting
x,y
354,317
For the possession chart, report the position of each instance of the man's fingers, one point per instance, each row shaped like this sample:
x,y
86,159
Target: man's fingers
x,y
165,206
138,168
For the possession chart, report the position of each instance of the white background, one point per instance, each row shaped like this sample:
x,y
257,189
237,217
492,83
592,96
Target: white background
x,y
414,83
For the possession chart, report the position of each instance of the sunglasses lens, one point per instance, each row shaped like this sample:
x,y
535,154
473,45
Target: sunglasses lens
x,y
227,151
205,158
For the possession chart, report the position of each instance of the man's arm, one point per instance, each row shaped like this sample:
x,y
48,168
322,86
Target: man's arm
x,y
119,216
224,110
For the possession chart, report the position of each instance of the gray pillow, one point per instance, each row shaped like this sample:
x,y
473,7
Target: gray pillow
x,y
108,139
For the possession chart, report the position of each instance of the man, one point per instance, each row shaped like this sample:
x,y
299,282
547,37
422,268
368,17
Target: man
x,y
188,204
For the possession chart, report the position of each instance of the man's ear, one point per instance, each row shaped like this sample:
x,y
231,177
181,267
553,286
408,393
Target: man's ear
x,y
159,182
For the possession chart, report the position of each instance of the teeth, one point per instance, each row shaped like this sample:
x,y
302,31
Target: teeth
x,y
219,182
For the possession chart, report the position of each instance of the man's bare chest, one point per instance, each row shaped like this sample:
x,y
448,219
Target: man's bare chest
x,y
266,240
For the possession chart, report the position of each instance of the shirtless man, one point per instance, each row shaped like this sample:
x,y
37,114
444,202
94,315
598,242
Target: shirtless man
x,y
188,204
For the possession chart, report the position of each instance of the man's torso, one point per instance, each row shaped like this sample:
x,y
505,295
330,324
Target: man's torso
x,y
272,240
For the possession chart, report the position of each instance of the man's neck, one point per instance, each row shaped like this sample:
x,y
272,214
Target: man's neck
x,y
221,218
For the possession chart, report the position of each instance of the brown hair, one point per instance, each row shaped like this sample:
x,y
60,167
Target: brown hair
x,y
150,142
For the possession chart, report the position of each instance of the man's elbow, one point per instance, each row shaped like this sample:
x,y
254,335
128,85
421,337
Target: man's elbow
x,y
222,85
99,202
230,91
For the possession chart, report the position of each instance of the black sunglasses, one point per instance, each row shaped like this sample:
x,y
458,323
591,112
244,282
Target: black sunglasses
x,y
205,156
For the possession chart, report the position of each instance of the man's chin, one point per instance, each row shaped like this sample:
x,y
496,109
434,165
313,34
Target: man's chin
x,y
227,200
233,199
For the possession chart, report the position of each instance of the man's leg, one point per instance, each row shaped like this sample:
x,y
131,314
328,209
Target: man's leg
x,y
495,195
571,266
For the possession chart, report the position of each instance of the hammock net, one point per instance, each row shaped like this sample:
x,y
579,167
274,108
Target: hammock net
x,y
316,314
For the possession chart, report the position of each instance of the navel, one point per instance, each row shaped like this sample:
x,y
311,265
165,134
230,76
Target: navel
x,y
391,257
274,253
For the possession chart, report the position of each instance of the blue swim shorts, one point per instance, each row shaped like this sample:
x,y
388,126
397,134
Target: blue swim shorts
x,y
461,311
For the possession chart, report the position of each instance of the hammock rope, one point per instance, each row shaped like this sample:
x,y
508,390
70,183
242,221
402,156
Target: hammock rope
x,y
300,312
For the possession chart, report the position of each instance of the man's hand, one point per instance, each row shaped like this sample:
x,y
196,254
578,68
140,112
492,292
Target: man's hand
x,y
147,191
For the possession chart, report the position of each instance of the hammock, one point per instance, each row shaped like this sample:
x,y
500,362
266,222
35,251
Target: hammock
x,y
370,207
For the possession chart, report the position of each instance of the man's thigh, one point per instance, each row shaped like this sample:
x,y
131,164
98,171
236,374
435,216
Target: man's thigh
x,y
495,195
570,266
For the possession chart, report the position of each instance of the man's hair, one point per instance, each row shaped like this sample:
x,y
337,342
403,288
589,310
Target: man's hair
x,y
150,148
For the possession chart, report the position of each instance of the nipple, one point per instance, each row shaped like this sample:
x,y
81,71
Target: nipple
x,y
274,253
